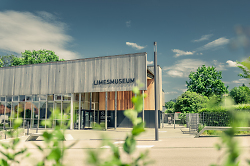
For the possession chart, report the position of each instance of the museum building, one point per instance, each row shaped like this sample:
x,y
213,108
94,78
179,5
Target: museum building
x,y
88,91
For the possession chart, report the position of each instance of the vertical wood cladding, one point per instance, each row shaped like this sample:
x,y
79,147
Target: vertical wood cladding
x,y
124,99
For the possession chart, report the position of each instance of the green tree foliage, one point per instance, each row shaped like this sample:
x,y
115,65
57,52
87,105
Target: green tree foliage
x,y
6,60
190,102
1,63
206,81
169,106
34,57
241,94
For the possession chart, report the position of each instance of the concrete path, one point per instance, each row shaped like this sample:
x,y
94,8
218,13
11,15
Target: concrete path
x,y
174,148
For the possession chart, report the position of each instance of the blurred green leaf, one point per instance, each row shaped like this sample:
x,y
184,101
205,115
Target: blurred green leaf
x,y
129,145
138,129
3,162
17,123
55,154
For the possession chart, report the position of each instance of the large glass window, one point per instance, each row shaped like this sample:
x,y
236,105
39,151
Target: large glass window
x,y
42,113
35,97
29,98
15,98
9,99
67,96
34,114
50,97
58,97
2,110
43,97
2,98
22,98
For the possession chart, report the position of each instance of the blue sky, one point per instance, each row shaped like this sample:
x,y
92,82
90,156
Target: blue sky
x,y
188,33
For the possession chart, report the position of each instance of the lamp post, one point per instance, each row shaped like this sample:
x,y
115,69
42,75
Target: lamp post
x,y
156,90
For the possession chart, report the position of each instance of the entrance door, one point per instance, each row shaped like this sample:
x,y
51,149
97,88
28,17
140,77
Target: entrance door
x,y
87,118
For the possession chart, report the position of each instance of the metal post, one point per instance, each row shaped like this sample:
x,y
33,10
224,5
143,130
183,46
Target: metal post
x,y
28,127
90,108
156,91
115,109
106,110
143,107
71,111
79,112
174,120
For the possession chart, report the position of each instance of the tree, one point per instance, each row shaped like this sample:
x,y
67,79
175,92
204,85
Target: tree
x,y
170,106
240,94
34,57
6,60
206,81
190,102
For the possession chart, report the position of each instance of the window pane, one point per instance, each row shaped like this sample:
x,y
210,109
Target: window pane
x,y
58,106
58,97
2,98
66,109
21,109
28,98
42,110
49,109
22,98
67,96
9,99
35,97
50,97
15,98
43,97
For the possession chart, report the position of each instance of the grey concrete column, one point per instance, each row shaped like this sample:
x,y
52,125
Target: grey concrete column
x,y
90,107
72,112
79,112
115,109
106,110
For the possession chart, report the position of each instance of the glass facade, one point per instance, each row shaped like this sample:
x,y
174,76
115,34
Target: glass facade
x,y
34,109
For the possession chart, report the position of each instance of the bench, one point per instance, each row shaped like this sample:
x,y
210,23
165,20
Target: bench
x,y
34,136
220,128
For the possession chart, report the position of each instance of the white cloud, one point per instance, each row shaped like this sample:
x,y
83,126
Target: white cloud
x,y
128,23
241,81
20,31
181,52
203,37
219,66
150,62
166,93
134,45
182,68
214,44
232,64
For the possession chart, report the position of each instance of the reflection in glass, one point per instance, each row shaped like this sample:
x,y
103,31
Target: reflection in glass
x,y
58,106
66,109
58,97
28,98
67,96
22,98
9,99
49,109
15,98
35,97
43,97
50,97
2,98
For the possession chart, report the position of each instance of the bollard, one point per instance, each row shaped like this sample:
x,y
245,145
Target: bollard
x,y
37,128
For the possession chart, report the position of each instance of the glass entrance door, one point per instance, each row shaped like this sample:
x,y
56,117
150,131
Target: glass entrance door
x,y
87,119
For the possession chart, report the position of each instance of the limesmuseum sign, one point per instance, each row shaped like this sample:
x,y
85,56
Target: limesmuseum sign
x,y
114,81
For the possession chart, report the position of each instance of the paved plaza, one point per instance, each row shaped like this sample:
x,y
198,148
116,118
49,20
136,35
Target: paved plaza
x,y
173,148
